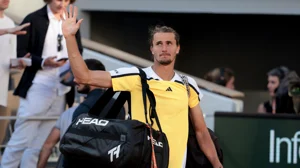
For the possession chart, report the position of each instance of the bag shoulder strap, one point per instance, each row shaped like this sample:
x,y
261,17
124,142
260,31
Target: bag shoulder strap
x,y
146,92
186,83
118,105
97,109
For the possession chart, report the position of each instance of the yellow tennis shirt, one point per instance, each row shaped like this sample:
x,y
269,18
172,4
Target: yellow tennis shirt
x,y
171,105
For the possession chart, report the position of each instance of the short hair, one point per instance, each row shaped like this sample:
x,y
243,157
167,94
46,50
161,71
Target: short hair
x,y
219,75
94,64
280,72
162,29
49,1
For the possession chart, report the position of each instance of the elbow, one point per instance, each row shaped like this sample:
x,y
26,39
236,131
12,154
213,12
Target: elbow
x,y
84,78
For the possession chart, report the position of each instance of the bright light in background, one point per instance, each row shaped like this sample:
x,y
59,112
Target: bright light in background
x,y
20,8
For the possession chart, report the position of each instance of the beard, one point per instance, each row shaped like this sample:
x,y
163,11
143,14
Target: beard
x,y
85,90
165,62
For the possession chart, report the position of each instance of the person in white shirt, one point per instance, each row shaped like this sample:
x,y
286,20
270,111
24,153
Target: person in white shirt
x,y
40,91
8,45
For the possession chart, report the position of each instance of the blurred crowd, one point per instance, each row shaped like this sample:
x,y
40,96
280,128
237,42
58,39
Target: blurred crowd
x,y
282,83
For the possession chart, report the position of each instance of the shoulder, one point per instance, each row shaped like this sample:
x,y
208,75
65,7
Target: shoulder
x,y
192,84
42,12
9,21
69,112
126,71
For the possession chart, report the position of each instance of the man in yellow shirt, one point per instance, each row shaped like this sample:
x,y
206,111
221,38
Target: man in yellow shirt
x,y
167,86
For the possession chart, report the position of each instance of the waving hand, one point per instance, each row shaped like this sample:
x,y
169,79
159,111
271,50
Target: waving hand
x,y
70,26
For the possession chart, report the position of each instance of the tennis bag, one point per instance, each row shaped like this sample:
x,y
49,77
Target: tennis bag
x,y
94,140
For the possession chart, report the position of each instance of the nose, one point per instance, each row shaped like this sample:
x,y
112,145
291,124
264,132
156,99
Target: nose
x,y
269,86
164,47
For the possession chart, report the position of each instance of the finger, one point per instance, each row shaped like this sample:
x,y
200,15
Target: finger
x,y
52,58
79,22
21,64
20,32
75,12
27,55
66,13
71,11
25,25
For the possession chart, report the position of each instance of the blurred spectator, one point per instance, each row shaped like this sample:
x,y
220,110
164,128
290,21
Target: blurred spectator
x,y
284,101
8,47
40,90
294,92
275,76
221,76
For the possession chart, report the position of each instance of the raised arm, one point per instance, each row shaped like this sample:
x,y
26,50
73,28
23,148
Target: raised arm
x,y
81,72
203,137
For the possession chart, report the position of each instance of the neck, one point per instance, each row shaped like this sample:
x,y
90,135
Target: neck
x,y
165,72
1,13
57,15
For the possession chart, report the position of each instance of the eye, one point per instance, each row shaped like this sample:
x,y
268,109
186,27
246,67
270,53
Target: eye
x,y
159,43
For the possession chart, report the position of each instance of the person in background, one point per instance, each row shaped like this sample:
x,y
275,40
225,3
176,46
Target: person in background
x,y
275,76
221,76
294,92
40,91
284,100
8,47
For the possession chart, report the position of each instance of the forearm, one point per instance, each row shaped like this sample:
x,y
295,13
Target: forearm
x,y
43,157
3,31
207,146
79,68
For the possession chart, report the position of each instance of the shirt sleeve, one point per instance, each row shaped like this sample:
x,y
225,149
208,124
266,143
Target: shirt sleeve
x,y
195,93
58,122
124,79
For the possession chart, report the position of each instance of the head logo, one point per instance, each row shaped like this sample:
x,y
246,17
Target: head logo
x,y
293,150
87,121
156,143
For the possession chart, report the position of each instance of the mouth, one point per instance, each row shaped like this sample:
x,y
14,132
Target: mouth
x,y
165,55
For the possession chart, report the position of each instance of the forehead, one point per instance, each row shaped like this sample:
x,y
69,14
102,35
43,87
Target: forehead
x,y
162,36
273,78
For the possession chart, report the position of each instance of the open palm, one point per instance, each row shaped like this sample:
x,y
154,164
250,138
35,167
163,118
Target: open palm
x,y
69,24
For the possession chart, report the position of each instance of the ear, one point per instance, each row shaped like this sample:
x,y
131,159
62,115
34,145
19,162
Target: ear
x,y
178,49
151,49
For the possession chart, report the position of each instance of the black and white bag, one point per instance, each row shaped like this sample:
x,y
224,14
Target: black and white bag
x,y
101,141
